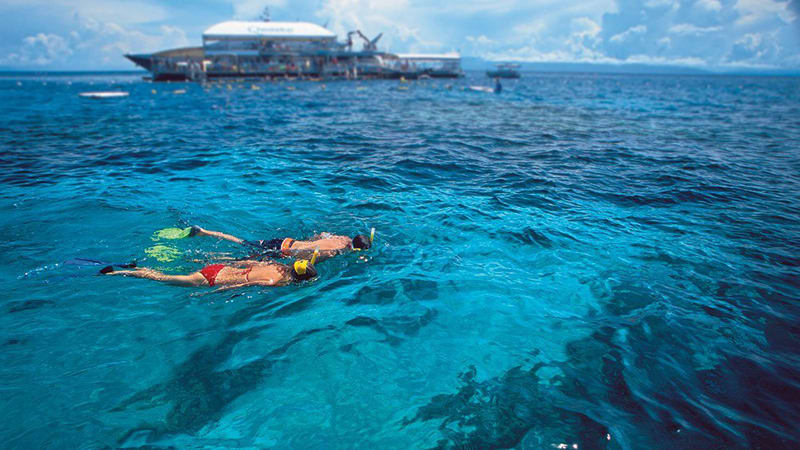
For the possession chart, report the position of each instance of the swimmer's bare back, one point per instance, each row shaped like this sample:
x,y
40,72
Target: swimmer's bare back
x,y
260,273
328,245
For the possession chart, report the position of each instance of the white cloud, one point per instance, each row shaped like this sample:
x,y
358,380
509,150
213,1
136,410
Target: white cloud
x,y
750,41
625,35
113,38
693,30
482,39
585,27
661,60
671,4
532,28
39,50
709,5
756,11
127,12
252,9
99,43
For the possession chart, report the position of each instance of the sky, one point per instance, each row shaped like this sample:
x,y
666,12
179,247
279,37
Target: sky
x,y
718,35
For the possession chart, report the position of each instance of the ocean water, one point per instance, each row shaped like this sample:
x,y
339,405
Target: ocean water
x,y
600,261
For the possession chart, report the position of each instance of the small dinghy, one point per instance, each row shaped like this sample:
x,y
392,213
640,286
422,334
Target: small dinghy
x,y
109,94
486,89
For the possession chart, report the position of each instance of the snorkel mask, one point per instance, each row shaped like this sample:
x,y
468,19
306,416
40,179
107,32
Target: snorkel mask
x,y
304,268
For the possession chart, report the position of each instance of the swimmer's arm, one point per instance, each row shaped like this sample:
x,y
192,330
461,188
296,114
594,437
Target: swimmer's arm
x,y
218,235
214,257
241,285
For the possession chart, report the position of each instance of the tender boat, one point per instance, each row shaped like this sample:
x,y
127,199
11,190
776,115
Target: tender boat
x,y
504,71
108,94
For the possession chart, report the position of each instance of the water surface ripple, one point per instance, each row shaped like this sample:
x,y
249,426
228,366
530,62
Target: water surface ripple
x,y
602,260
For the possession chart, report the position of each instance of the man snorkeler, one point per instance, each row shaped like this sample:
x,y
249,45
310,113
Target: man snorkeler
x,y
328,244
236,275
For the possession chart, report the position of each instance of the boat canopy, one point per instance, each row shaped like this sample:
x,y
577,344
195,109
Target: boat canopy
x,y
238,30
429,56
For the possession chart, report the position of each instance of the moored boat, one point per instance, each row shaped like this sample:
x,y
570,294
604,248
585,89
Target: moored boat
x,y
504,71
242,49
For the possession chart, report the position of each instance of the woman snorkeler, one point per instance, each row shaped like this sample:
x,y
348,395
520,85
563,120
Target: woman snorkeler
x,y
231,276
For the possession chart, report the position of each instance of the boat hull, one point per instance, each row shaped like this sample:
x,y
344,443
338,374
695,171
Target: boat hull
x,y
192,64
502,74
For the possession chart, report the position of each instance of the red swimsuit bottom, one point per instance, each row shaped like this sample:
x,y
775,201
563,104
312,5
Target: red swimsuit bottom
x,y
210,273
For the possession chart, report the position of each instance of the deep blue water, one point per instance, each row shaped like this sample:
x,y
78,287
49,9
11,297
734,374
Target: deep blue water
x,y
602,260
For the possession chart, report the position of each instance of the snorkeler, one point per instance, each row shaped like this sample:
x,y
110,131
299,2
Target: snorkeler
x,y
328,244
239,274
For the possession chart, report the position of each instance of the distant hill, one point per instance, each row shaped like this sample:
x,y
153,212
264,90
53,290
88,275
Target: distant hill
x,y
472,63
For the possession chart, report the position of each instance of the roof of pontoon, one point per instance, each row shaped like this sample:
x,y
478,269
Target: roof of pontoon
x,y
248,30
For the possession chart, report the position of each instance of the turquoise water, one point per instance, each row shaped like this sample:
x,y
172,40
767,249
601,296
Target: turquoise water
x,y
602,260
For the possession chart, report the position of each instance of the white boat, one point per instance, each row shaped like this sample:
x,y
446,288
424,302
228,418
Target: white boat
x,y
106,94
486,89
266,49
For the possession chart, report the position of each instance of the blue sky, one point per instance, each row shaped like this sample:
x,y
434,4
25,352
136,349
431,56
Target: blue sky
x,y
706,34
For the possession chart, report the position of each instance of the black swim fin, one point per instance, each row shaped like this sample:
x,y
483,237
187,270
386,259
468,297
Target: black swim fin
x,y
94,262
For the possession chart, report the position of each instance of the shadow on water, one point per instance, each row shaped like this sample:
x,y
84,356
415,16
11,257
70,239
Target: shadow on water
x,y
500,413
198,392
624,385
19,306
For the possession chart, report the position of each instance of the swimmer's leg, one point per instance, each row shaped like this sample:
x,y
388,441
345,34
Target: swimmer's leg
x,y
193,279
217,234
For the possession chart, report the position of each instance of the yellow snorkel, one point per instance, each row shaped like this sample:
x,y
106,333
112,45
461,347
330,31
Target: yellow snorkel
x,y
314,256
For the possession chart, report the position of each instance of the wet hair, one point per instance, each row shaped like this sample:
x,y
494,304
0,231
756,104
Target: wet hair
x,y
362,241
311,272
